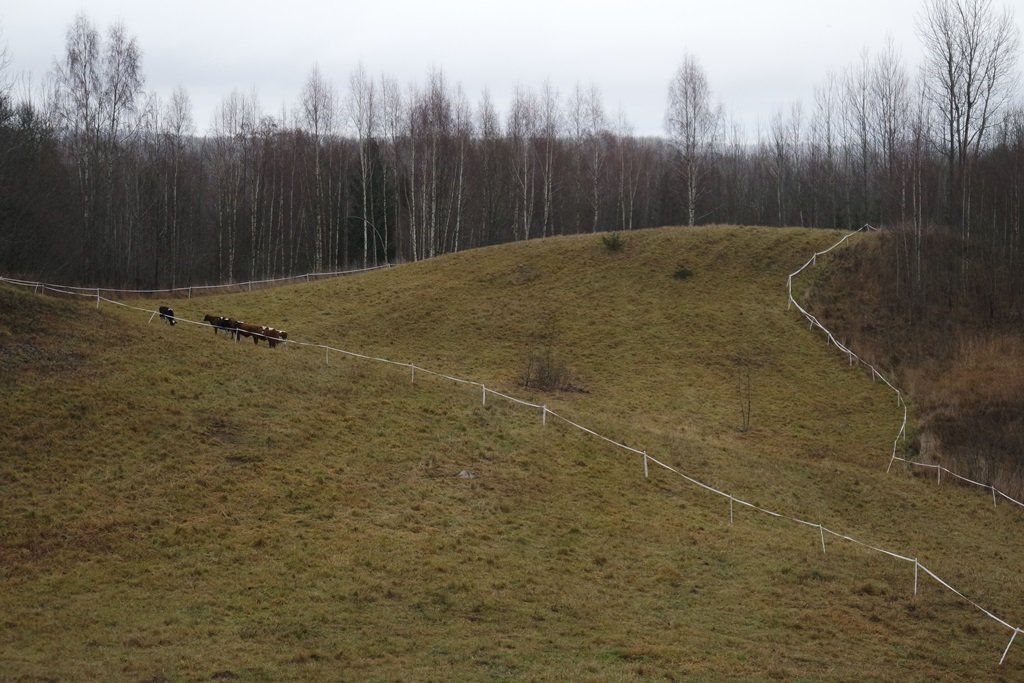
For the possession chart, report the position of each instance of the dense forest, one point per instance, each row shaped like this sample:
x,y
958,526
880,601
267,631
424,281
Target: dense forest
x,y
103,183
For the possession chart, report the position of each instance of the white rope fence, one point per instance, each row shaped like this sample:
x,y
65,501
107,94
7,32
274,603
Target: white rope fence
x,y
876,374
188,291
647,458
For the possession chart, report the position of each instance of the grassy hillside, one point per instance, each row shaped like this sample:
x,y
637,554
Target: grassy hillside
x,y
178,507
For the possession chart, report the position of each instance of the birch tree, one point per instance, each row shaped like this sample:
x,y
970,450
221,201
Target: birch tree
x,y
363,115
520,130
596,136
177,129
97,87
489,142
692,124
391,128
318,112
76,109
550,127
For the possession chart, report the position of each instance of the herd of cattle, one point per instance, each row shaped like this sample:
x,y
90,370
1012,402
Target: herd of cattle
x,y
236,328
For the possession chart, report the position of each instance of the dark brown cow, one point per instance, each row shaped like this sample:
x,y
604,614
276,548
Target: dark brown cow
x,y
274,337
248,330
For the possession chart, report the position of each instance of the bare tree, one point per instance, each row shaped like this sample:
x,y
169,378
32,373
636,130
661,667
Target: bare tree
x,y
550,126
858,147
595,135
520,130
783,154
463,132
693,125
890,93
392,130
318,113
363,114
489,129
76,108
825,154
6,83
177,130
229,127
627,151
97,90
970,55
576,125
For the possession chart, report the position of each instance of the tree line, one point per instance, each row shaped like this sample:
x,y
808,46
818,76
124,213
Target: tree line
x,y
102,183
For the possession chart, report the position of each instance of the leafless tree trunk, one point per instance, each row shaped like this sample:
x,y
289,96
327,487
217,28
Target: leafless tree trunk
x,y
391,103
319,105
178,130
550,129
824,141
857,109
489,130
889,91
596,136
970,55
363,115
522,124
693,126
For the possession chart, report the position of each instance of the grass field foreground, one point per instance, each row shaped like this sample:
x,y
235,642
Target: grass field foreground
x,y
178,506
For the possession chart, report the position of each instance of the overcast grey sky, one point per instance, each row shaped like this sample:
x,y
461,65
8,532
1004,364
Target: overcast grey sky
x,y
759,56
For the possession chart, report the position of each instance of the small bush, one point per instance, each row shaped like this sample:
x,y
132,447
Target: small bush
x,y
682,272
545,372
613,241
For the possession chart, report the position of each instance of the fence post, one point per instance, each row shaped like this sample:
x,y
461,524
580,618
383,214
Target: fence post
x,y
327,357
730,510
97,298
993,495
646,472
821,530
544,416
484,387
413,366
939,470
189,292
1003,658
916,565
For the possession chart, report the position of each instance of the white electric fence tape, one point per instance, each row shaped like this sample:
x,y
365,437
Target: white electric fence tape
x,y
94,291
822,530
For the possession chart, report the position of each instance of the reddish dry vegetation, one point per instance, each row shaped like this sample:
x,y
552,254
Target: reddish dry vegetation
x,y
954,342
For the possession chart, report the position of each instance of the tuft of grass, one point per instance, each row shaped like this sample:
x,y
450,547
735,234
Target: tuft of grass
x,y
185,507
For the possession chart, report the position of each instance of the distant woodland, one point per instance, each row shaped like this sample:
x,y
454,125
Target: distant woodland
x,y
104,183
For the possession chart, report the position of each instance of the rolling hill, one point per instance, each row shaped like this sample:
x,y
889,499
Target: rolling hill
x,y
178,506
